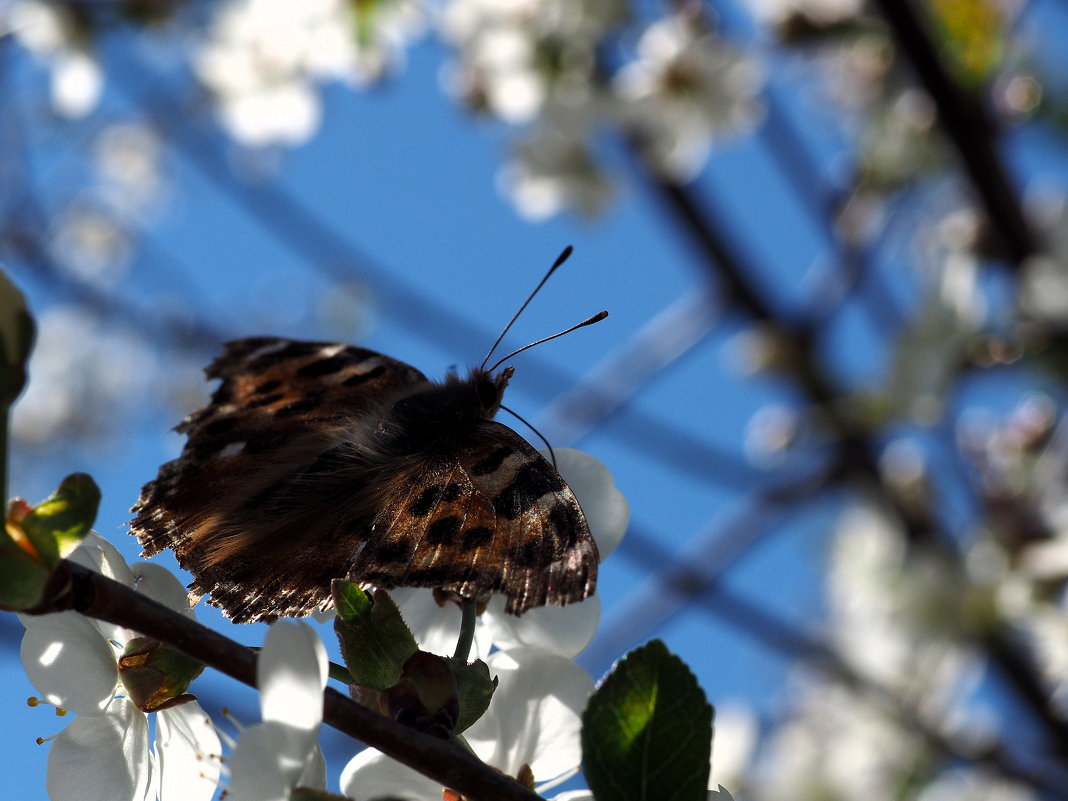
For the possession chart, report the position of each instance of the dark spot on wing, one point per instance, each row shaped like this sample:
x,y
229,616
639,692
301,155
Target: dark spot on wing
x,y
309,403
476,537
392,553
221,426
565,523
491,462
360,378
266,400
522,492
267,386
529,554
422,505
443,531
325,366
294,350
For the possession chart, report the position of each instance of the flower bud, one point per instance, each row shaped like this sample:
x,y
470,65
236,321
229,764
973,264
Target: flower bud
x,y
156,676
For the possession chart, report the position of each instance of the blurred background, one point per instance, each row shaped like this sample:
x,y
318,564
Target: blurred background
x,y
833,241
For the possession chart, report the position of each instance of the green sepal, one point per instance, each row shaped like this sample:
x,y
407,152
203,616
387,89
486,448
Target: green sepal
x,y
59,522
475,689
22,572
647,730
16,341
375,641
426,696
156,676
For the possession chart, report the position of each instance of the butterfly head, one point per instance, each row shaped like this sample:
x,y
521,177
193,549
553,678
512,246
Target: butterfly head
x,y
489,388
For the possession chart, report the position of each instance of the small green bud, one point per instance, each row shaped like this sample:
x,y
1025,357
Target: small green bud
x,y
156,676
374,638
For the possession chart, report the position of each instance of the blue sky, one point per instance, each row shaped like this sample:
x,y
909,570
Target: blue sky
x,y
405,179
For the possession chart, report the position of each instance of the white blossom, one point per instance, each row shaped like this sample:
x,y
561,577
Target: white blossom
x,y
686,89
282,752
534,719
263,59
106,752
49,32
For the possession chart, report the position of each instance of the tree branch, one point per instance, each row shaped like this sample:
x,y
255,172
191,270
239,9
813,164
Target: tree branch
x,y
970,128
72,586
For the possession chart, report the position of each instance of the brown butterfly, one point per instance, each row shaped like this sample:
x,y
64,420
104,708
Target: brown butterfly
x,y
316,460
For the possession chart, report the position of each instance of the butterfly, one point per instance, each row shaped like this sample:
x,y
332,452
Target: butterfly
x,y
318,460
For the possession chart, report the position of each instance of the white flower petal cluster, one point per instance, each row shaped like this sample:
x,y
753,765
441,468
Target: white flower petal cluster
x,y
534,719
516,57
895,615
282,752
107,752
48,31
263,59
686,88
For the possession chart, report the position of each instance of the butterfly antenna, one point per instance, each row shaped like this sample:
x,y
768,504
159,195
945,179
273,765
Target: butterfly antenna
x,y
552,453
589,321
556,264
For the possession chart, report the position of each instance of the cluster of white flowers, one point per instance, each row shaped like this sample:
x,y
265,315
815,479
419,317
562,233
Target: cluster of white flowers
x,y
539,63
107,751
263,59
79,370
49,31
896,616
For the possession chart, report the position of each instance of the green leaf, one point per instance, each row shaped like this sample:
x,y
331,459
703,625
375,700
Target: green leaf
x,y
647,731
475,689
59,522
375,641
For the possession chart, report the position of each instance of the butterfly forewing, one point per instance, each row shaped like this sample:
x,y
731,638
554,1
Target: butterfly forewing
x,y
316,461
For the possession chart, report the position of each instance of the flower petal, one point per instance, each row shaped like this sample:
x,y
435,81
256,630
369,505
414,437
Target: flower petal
x,y
159,584
68,661
188,753
96,553
371,774
436,626
606,510
562,630
535,715
102,757
256,771
291,674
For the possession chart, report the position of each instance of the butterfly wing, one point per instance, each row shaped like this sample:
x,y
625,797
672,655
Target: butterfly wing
x,y
490,516
286,411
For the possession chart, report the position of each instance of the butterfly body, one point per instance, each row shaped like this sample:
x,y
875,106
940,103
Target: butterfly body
x,y
316,461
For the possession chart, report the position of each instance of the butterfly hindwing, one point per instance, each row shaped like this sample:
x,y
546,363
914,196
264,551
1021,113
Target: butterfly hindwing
x,y
493,516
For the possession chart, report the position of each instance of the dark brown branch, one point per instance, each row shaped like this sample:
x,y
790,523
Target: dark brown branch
x,y
72,586
969,126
